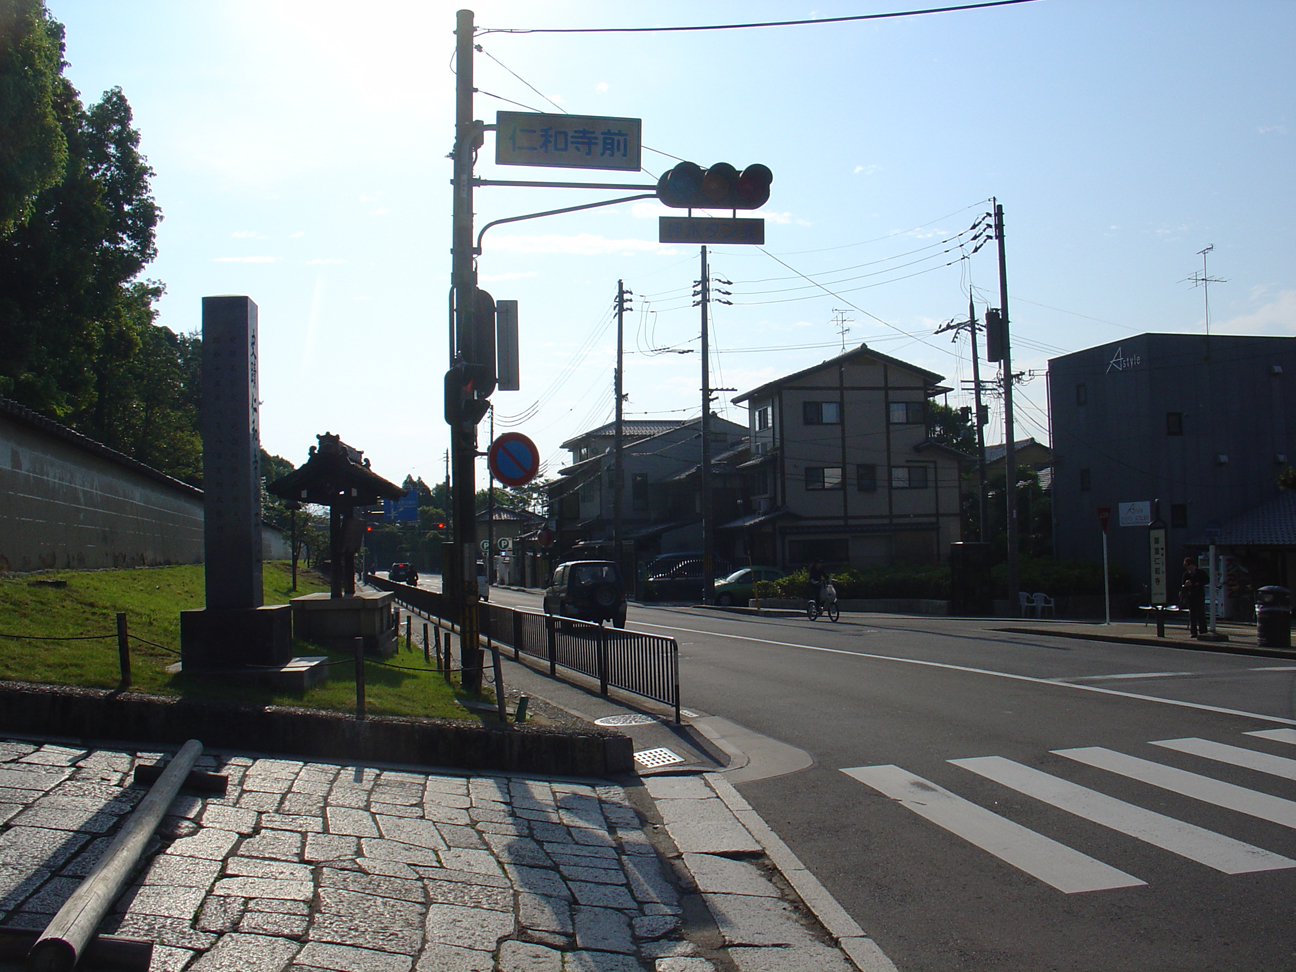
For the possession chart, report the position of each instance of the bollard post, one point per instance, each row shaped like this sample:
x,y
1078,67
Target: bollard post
x,y
436,635
123,649
409,632
520,714
1160,616
499,686
427,654
449,657
359,679
551,630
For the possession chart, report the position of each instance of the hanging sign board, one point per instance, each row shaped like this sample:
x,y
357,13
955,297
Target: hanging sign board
x,y
568,141
1135,514
700,229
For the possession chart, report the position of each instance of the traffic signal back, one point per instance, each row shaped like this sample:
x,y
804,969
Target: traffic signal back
x,y
689,186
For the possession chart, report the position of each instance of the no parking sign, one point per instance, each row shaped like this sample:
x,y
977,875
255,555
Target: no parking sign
x,y
513,459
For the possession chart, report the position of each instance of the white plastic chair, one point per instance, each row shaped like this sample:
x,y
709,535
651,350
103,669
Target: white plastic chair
x,y
1043,603
1028,607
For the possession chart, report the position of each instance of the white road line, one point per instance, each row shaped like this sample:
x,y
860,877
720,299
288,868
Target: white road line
x,y
1239,798
1064,868
1277,735
1120,678
1234,756
1199,706
1178,837
1275,668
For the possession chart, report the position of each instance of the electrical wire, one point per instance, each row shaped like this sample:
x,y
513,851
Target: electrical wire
x,y
771,23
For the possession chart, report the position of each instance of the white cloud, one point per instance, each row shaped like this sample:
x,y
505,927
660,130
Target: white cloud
x,y
581,244
323,261
867,169
496,277
248,235
245,259
601,87
1272,129
379,212
784,219
1277,316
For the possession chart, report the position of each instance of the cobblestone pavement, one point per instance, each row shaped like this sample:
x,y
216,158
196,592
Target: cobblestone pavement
x,y
315,866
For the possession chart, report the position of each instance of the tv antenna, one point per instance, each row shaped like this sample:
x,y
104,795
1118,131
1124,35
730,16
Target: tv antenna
x,y
842,322
1204,280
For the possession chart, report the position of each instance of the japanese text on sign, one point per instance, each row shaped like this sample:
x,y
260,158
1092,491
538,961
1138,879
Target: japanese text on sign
x,y
570,141
1157,550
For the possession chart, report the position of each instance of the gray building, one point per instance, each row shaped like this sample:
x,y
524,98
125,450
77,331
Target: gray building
x,y
1200,424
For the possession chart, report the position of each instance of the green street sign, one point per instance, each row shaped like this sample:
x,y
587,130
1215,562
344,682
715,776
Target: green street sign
x,y
688,229
568,141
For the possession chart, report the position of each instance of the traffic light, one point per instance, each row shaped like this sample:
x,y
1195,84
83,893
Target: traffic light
x,y
462,388
689,186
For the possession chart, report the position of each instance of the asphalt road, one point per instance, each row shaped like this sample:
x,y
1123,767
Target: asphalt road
x,y
986,800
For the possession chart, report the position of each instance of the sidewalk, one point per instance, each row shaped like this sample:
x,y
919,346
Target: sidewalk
x,y
315,866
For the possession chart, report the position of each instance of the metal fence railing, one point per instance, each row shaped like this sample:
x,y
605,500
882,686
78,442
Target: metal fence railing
x,y
645,665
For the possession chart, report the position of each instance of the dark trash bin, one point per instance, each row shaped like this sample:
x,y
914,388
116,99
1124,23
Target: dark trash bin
x,y
1273,617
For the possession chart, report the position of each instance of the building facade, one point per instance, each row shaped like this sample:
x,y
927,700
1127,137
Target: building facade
x,y
1198,425
842,468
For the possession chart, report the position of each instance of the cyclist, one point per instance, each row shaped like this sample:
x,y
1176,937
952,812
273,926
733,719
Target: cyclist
x,y
817,579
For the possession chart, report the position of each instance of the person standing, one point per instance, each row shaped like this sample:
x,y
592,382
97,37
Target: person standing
x,y
1192,595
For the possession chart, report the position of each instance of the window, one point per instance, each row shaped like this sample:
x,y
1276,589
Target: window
x,y
908,477
831,550
823,477
1178,514
639,491
762,418
1085,480
1082,394
906,413
821,413
866,478
1174,423
761,482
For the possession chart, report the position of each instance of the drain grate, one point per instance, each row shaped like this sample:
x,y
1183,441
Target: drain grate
x,y
657,757
633,719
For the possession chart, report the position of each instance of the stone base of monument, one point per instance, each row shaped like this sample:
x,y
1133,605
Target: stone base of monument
x,y
335,622
234,637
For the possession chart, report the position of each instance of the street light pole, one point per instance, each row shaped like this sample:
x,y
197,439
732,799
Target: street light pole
x,y
1010,459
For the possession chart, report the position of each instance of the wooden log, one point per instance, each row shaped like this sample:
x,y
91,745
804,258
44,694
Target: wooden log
x,y
64,940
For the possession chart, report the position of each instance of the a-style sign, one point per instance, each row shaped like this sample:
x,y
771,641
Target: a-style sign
x,y
699,229
1135,514
513,459
568,141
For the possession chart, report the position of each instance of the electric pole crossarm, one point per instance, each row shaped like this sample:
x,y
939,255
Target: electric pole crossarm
x,y
556,212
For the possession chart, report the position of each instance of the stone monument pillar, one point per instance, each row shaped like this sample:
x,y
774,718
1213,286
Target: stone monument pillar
x,y
235,630
231,436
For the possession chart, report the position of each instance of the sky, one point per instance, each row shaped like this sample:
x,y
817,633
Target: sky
x,y
300,152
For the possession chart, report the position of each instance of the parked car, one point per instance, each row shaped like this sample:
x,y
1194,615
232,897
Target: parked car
x,y
683,581
402,574
737,587
590,590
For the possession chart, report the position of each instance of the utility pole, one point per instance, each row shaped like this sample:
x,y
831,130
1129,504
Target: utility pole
x,y
490,514
708,528
971,325
1010,458
619,392
463,433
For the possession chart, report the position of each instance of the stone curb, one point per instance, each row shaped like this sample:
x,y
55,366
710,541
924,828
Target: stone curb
x,y
866,955
1220,647
101,714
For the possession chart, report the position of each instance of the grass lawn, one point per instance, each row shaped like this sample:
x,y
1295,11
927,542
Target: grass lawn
x,y
60,627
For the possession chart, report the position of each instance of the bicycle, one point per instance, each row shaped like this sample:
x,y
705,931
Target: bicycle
x,y
828,607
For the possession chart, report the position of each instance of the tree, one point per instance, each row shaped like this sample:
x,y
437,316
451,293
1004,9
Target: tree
x,y
33,146
952,427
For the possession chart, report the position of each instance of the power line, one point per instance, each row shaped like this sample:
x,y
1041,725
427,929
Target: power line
x,y
771,23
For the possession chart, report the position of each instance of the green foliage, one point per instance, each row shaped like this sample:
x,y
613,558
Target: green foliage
x,y
952,427
33,146
868,582
152,599
1061,578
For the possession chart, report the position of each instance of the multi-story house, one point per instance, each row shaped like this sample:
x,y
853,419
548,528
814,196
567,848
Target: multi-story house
x,y
843,470
1198,425
660,504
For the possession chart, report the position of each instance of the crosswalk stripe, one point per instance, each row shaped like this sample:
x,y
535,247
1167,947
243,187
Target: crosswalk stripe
x,y
1185,839
1277,735
1204,788
1064,868
1234,756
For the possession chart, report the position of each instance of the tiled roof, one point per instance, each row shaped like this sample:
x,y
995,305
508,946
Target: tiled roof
x,y
930,377
1271,524
630,428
